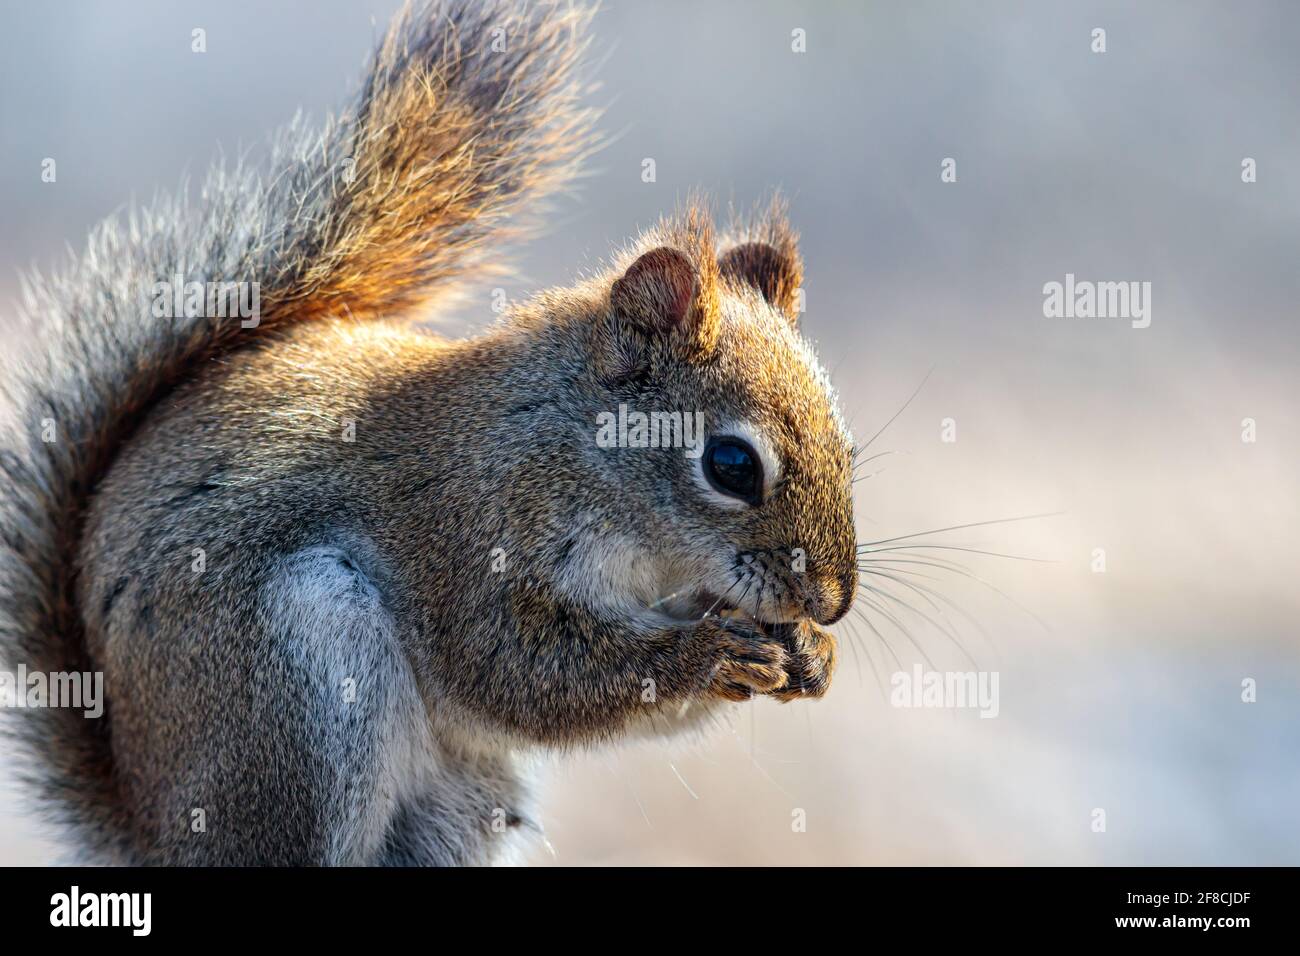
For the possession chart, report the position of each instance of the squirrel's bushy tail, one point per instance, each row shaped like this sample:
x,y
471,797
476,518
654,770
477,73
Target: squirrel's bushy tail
x,y
471,111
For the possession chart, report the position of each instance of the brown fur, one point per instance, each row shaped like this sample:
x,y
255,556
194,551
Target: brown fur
x,y
765,253
353,485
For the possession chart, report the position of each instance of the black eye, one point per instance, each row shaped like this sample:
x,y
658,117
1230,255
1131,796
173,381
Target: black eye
x,y
734,468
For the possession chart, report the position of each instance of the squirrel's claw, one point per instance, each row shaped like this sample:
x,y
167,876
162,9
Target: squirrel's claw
x,y
749,661
785,661
811,662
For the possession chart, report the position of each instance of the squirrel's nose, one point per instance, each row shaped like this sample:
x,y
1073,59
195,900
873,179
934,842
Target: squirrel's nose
x,y
831,599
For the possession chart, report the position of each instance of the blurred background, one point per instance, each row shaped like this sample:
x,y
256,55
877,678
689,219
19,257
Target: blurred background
x,y
1119,690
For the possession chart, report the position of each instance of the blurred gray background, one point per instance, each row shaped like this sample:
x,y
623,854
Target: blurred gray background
x,y
1119,690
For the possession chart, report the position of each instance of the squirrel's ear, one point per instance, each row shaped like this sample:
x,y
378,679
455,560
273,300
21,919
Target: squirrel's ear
x,y
664,296
775,273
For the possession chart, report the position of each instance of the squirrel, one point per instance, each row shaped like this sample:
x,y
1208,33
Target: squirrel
x,y
342,576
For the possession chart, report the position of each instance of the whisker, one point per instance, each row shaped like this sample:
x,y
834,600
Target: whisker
x,y
945,630
949,631
723,596
759,767
872,475
883,640
855,637
745,593
952,547
871,458
857,661
864,565
889,575
959,527
937,595
857,464
966,572
857,451
894,620
663,600
682,779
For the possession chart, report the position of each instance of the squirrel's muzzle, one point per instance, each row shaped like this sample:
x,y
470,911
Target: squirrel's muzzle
x,y
830,598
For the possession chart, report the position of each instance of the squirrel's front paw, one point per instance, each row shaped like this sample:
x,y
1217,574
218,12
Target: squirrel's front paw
x,y
749,661
811,651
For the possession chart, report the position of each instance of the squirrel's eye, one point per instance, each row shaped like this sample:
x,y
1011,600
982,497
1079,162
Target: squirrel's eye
x,y
733,468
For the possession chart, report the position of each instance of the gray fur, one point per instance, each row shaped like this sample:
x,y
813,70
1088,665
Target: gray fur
x,y
457,160
348,675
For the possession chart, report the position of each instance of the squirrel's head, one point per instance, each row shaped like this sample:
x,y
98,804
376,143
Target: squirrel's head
x,y
717,433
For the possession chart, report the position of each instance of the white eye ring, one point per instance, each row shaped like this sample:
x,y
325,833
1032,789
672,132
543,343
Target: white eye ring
x,y
735,475
768,460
